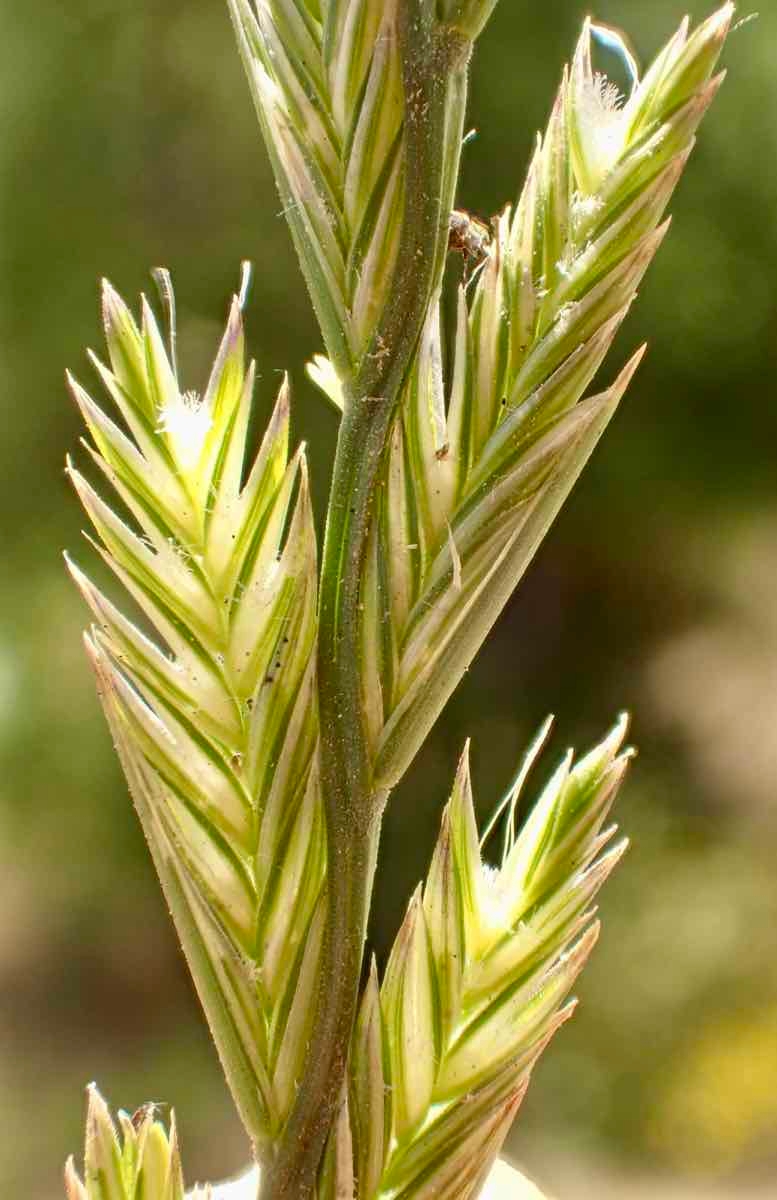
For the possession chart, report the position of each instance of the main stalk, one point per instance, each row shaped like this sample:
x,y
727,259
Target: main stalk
x,y
434,61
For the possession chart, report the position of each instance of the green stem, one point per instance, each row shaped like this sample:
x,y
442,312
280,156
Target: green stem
x,y
434,66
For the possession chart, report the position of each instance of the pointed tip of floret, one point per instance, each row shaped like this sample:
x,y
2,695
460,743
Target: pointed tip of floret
x,y
564,1014
234,315
82,488
712,87
653,240
99,1124
545,728
74,1187
299,543
299,464
147,317
283,401
617,771
622,721
92,595
595,876
234,332
614,740
720,22
580,952
109,295
75,572
625,376
463,769
461,806
173,1138
617,852
277,431
282,408
590,770
405,937
114,310
97,363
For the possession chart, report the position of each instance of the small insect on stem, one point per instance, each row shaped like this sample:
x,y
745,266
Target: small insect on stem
x,y
471,238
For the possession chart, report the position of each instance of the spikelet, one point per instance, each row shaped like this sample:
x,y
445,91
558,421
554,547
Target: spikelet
x,y
328,87
480,463
214,714
476,986
139,1161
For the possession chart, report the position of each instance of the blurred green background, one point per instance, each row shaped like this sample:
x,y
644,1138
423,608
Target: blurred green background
x,y
127,139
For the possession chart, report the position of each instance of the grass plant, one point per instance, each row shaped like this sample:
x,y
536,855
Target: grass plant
x,y
264,703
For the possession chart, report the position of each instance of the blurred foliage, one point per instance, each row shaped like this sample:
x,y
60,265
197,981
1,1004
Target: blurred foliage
x,y
128,140
705,1110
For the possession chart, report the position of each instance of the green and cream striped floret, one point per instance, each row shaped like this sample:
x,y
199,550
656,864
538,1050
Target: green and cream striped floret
x,y
479,463
141,1161
136,1158
327,83
215,714
476,986
328,90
